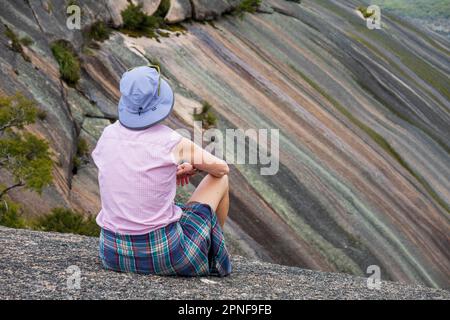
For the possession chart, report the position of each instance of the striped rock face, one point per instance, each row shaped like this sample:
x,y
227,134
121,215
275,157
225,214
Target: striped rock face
x,y
209,9
363,118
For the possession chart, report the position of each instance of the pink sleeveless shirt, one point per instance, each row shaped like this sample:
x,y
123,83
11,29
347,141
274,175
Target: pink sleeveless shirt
x,y
137,178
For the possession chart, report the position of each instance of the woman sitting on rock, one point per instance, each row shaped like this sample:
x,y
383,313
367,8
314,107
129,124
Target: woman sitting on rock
x,y
140,163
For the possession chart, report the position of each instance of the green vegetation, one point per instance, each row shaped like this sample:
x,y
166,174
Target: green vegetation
x,y
10,215
81,155
69,64
366,14
97,31
16,42
16,111
26,41
176,27
249,6
163,9
58,220
22,154
27,159
206,116
41,114
82,147
136,23
76,164
67,221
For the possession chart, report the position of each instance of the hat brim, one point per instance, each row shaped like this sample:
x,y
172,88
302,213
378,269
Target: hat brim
x,y
164,106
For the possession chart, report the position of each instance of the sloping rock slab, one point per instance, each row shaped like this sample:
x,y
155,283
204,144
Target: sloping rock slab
x,y
34,265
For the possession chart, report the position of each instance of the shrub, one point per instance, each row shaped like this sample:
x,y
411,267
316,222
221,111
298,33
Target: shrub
x,y
26,41
67,221
10,215
16,111
82,147
76,164
366,14
69,64
28,159
41,114
81,156
16,43
97,31
134,19
247,6
206,116
22,154
137,23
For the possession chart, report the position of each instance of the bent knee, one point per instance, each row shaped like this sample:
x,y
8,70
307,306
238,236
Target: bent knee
x,y
222,181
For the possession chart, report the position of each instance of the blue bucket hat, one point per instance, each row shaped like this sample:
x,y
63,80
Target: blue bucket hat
x,y
146,98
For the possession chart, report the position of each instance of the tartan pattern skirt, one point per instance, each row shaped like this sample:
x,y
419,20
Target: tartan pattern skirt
x,y
192,246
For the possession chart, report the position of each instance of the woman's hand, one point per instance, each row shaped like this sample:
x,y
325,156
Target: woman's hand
x,y
184,172
186,150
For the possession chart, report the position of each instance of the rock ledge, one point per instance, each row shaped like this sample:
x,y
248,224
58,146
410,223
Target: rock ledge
x,y
34,265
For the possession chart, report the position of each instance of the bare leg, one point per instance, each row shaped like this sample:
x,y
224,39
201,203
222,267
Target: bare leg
x,y
222,209
214,192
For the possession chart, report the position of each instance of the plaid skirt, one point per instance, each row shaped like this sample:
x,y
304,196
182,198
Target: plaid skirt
x,y
192,246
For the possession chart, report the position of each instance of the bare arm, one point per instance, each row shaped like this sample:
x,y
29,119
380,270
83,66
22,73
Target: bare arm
x,y
203,160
